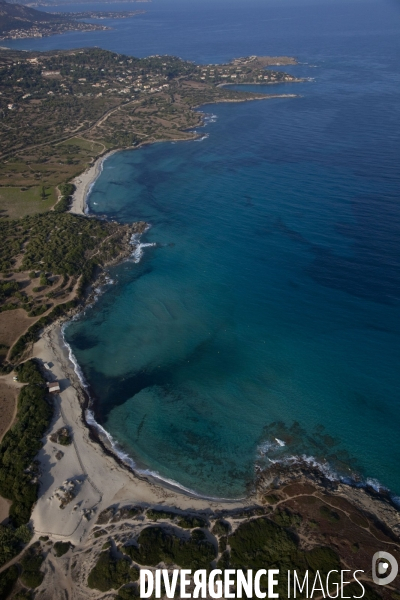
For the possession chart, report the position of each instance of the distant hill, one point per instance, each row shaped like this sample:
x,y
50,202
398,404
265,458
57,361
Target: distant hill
x,y
18,21
17,16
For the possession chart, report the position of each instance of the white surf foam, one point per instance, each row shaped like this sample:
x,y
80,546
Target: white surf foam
x,y
376,485
210,119
72,358
90,189
138,246
323,466
202,138
125,458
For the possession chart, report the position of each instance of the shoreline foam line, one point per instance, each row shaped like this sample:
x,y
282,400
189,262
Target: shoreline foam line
x,y
113,445
324,468
99,171
84,184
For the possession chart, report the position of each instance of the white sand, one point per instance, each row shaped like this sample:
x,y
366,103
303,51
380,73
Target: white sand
x,y
100,480
83,182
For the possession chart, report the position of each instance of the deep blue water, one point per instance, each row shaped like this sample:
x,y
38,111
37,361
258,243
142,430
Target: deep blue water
x,y
272,295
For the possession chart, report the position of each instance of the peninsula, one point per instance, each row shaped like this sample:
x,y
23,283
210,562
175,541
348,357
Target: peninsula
x,y
76,522
18,21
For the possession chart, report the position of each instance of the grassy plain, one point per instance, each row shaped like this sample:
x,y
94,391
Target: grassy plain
x,y
16,202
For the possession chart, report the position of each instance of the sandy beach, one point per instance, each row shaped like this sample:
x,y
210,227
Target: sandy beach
x,y
98,480
83,182
95,477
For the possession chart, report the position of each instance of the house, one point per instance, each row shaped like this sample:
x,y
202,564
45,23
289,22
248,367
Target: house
x,y
50,73
53,387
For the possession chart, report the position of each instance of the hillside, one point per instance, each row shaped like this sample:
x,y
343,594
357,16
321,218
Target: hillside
x,y
18,21
16,16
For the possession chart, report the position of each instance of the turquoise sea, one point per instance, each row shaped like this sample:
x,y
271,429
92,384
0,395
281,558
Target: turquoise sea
x,y
263,324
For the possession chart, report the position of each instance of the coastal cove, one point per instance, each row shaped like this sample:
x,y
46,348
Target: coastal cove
x,y
305,176
166,185
200,298
270,276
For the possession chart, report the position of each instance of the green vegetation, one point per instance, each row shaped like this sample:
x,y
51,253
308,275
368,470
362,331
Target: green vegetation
x,y
66,189
128,593
286,518
271,498
12,541
109,573
221,527
329,514
3,353
157,545
109,100
19,202
18,481
261,541
135,574
63,205
188,522
28,372
99,533
31,562
224,561
8,579
55,244
23,595
222,543
61,548
59,243
156,515
7,289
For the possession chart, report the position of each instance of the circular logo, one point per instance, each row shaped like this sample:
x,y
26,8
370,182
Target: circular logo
x,y
384,568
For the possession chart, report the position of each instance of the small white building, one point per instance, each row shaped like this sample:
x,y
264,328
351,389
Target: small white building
x,y
53,387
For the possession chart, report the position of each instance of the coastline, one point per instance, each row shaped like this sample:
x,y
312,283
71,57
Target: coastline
x,y
89,465
102,478
262,83
84,182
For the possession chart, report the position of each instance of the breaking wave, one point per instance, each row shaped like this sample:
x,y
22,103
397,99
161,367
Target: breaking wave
x,y
138,246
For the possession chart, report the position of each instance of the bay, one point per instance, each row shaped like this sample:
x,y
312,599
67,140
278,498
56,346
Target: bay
x,y
271,298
